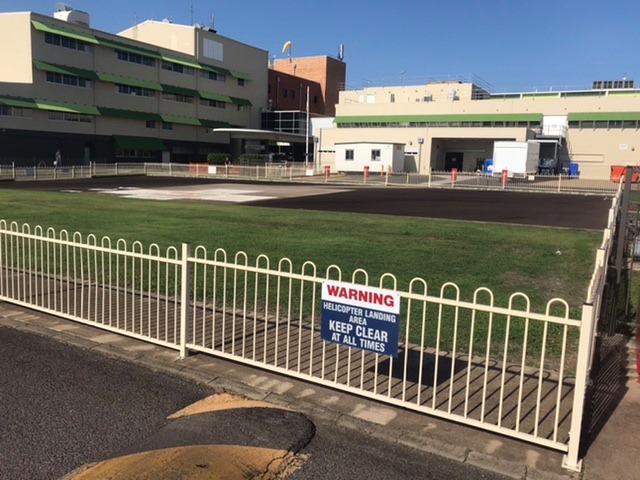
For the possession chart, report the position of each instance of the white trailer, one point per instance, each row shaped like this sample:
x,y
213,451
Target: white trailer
x,y
517,158
379,157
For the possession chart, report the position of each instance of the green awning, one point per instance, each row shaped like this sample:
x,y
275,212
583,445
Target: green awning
x,y
214,123
66,107
220,70
241,101
64,69
133,82
497,117
138,143
216,96
603,116
18,102
131,114
180,120
127,48
181,61
242,75
179,90
85,37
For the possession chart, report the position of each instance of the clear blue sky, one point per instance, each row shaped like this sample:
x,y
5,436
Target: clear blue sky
x,y
511,44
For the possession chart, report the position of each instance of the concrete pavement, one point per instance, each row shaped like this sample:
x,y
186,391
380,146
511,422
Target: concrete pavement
x,y
613,453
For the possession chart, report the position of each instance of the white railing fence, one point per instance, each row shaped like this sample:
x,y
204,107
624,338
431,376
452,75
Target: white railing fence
x,y
482,359
599,184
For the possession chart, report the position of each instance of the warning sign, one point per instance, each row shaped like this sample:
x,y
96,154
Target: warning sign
x,y
361,317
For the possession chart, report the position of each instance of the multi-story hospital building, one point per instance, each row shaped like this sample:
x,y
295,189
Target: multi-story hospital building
x,y
166,92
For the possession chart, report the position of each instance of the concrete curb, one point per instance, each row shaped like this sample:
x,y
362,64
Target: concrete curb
x,y
277,390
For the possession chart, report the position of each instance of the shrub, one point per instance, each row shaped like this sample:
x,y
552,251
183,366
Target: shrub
x,y
251,159
217,158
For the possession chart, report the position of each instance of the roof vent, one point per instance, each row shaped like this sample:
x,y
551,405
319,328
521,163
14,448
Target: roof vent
x,y
612,84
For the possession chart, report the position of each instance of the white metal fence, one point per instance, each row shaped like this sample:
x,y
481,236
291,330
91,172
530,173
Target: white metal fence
x,y
297,172
497,365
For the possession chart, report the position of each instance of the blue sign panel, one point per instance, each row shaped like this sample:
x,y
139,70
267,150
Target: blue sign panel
x,y
361,317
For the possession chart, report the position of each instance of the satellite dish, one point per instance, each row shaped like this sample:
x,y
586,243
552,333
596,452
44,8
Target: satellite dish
x,y
63,7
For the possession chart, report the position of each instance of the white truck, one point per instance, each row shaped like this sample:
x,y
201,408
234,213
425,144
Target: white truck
x,y
517,158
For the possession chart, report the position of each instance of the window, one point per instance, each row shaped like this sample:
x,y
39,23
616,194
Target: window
x,y
70,117
218,77
151,124
240,108
348,154
178,97
137,91
71,80
135,58
212,49
212,103
167,126
72,43
284,92
178,68
393,98
375,155
241,82
8,111
130,152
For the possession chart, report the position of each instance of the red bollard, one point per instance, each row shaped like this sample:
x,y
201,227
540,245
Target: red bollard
x,y
454,174
366,172
327,171
505,175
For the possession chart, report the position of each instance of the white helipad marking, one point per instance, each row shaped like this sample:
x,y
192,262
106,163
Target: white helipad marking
x,y
216,195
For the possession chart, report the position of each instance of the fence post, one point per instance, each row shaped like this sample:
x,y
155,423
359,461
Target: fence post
x,y
559,181
116,167
170,169
185,289
13,170
386,180
571,460
429,180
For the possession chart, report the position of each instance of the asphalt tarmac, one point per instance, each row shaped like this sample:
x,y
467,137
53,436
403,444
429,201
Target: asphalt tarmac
x,y
61,407
520,208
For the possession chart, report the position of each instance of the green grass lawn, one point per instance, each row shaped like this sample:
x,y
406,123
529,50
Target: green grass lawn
x,y
503,258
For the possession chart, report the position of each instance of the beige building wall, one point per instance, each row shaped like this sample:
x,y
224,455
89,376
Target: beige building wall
x,y
594,148
20,78
237,56
15,38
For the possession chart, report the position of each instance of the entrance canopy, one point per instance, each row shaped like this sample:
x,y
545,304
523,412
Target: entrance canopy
x,y
250,134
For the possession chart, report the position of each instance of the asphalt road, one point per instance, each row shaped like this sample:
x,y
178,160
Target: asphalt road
x,y
61,406
336,453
